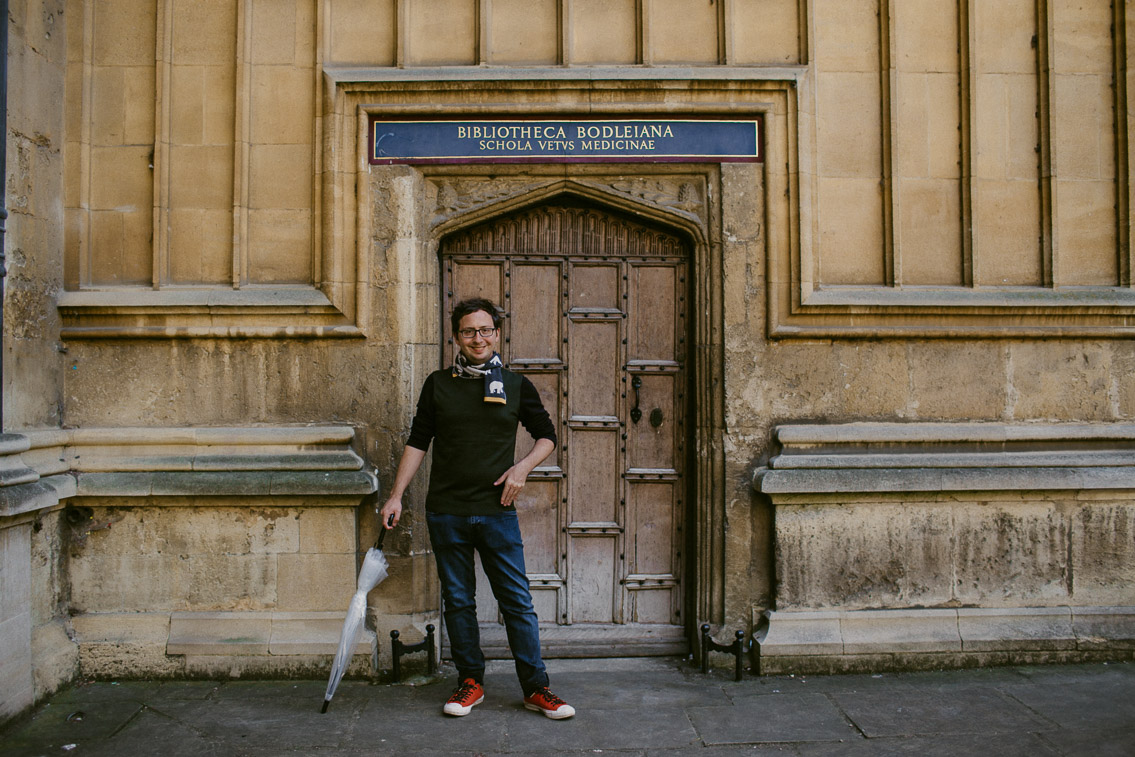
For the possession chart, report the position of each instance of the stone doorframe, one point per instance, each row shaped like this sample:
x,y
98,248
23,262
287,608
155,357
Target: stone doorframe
x,y
684,199
381,225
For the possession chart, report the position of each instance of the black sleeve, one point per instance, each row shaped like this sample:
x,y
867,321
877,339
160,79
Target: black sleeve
x,y
422,429
533,416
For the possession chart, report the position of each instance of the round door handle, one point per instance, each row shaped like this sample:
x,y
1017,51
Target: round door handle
x,y
656,417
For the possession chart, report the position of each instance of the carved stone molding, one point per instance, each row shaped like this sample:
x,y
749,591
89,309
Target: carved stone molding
x,y
452,197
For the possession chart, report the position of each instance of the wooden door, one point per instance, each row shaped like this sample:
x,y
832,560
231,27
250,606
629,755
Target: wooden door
x,y
596,319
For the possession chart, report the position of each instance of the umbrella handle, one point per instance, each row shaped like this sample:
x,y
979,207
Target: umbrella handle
x,y
383,530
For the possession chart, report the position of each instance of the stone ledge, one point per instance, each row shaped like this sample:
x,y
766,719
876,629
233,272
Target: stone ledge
x,y
941,478
171,462
221,634
203,312
237,483
943,631
211,634
921,457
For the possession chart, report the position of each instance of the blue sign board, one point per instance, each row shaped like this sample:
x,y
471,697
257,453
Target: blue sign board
x,y
618,140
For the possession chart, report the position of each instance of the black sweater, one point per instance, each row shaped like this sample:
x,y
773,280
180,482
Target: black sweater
x,y
474,441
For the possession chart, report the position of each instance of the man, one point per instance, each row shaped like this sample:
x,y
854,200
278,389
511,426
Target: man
x,y
471,412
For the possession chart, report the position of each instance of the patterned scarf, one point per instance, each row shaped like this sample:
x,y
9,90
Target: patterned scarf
x,y
490,371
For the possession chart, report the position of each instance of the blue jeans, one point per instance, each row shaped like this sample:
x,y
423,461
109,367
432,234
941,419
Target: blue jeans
x,y
496,538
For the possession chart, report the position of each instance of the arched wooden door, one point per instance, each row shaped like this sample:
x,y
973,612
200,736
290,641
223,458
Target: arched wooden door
x,y
596,319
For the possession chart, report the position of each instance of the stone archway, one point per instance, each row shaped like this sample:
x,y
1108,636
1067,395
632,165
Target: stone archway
x,y
599,319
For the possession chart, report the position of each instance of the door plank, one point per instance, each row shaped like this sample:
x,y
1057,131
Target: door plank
x,y
592,591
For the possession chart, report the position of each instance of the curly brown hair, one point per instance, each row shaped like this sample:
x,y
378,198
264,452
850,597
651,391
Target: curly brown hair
x,y
472,305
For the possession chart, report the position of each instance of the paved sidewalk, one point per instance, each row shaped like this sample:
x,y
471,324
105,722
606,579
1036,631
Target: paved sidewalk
x,y
648,708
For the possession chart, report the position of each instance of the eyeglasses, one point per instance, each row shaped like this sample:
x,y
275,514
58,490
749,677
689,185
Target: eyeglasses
x,y
485,332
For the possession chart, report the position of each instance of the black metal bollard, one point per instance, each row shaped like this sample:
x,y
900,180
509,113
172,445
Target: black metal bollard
x,y
737,649
398,649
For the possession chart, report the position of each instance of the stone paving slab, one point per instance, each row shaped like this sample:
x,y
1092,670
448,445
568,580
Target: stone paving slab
x,y
642,708
772,718
916,713
1107,743
1078,705
965,745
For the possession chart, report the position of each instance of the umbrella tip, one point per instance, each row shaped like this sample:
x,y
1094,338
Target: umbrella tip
x,y
323,709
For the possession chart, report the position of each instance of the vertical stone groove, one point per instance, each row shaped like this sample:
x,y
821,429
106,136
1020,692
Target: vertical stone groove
x,y
163,101
892,262
242,138
967,128
1122,155
1046,83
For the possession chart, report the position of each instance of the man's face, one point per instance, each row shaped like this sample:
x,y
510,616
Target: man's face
x,y
477,349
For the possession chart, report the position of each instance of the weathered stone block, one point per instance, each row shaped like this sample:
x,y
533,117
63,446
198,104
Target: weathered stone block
x,y
54,657
198,174
279,245
848,104
938,369
17,694
851,231
219,667
1010,554
121,628
887,556
280,176
1082,132
604,32
1123,377
126,33
929,228
871,382
1086,226
127,583
1041,374
200,243
224,581
15,571
1008,254
1015,628
992,161
926,36
1103,554
209,633
847,35
681,32
313,633
442,34
315,582
899,631
274,125
275,40
121,178
327,530
362,33
801,633
205,32
138,109
753,45
1104,627
1081,34
1004,36
525,32
106,114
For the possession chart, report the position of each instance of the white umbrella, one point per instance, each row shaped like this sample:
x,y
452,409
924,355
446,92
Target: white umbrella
x,y
370,576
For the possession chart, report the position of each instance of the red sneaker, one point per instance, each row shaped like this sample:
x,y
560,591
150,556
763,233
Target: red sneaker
x,y
543,700
465,697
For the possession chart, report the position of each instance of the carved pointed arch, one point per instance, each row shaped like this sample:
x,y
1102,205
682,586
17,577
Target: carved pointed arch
x,y
646,217
565,224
